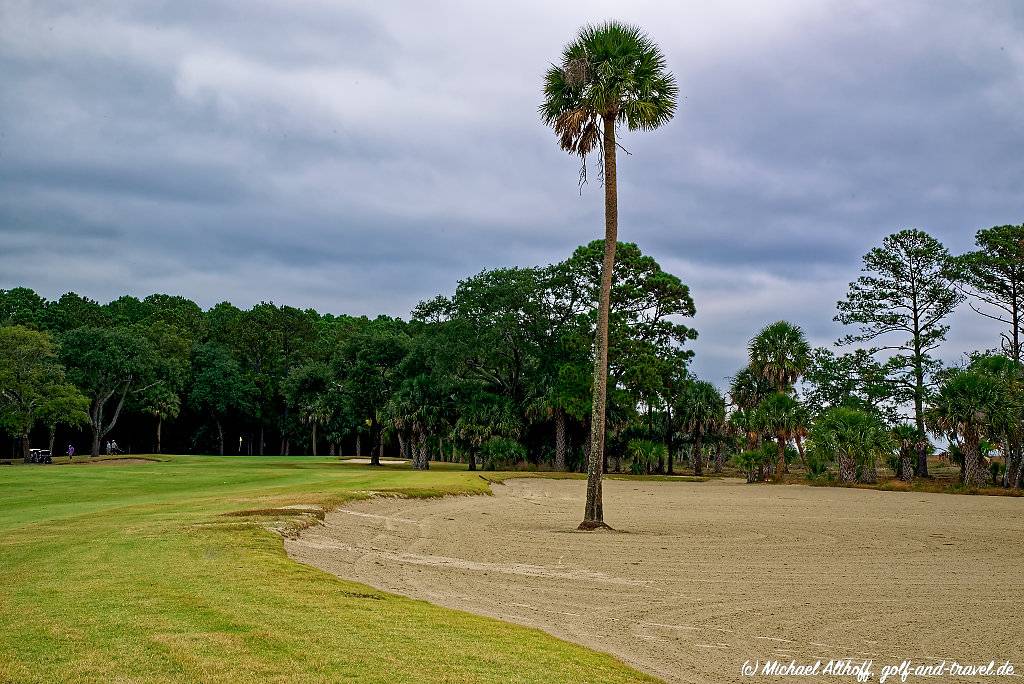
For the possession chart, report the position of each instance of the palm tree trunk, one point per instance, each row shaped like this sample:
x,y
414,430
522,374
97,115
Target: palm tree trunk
x,y
220,437
847,468
800,450
374,454
359,445
593,514
906,465
314,438
719,456
159,426
970,472
698,454
559,440
781,466
668,441
424,456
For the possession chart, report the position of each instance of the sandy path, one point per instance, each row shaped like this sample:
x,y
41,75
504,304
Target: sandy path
x,y
707,575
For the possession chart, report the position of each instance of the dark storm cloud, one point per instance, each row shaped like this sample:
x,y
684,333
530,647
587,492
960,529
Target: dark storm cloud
x,y
359,158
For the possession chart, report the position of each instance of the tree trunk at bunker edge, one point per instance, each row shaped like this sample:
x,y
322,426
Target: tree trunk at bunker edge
x,y
593,514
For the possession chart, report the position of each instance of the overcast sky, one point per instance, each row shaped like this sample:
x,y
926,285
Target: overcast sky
x,y
359,157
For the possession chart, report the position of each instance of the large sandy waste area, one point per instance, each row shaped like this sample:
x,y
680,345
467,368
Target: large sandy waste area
x,y
703,576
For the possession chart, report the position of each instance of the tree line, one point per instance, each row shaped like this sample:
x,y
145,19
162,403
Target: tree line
x,y
500,373
496,374
879,397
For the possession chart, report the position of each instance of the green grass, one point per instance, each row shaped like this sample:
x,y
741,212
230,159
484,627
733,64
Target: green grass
x,y
133,573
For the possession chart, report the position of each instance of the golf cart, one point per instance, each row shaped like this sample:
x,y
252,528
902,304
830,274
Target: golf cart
x,y
39,456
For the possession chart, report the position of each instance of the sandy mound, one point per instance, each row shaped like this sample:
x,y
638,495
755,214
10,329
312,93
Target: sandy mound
x,y
116,461
705,576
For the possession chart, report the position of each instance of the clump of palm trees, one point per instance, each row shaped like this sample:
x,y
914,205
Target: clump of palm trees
x,y
979,403
976,408
764,398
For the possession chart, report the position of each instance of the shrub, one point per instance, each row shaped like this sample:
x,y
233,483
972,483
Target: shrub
x,y
645,455
749,461
996,470
817,464
500,453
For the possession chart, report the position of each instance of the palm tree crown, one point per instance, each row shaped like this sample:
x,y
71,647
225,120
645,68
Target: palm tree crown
x,y
701,408
780,353
611,73
748,389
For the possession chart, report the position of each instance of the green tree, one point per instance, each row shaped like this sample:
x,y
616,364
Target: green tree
x,y
854,439
779,353
21,306
109,365
779,416
163,403
963,410
900,303
908,445
646,336
855,379
611,73
65,405
700,411
994,275
168,377
73,311
367,365
748,388
32,384
219,387
752,461
306,389
1006,422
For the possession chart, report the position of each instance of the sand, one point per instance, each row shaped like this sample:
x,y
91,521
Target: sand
x,y
701,577
115,461
366,461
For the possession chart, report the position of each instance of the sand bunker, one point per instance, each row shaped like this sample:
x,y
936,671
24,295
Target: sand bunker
x,y
366,461
705,576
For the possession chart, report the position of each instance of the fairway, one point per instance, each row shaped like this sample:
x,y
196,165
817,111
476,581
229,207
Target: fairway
x,y
134,573
704,576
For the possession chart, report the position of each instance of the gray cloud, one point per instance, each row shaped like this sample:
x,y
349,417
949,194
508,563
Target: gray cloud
x,y
358,159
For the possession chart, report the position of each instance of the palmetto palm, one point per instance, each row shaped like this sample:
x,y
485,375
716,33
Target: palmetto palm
x,y
854,438
748,389
909,443
780,354
701,410
779,415
965,407
611,74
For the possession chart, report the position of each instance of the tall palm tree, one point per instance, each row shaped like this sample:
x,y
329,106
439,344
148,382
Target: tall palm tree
x,y
748,389
780,354
779,415
700,411
611,74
